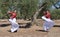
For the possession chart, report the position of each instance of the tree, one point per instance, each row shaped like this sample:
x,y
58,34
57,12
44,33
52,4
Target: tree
x,y
25,8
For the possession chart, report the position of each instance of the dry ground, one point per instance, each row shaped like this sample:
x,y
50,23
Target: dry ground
x,y
33,31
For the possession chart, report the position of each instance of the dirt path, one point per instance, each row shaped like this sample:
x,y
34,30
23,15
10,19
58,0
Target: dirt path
x,y
33,31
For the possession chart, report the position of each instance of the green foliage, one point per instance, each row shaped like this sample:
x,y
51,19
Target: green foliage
x,y
27,8
55,14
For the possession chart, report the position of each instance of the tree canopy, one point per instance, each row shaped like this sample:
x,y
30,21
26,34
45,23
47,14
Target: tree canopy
x,y
27,8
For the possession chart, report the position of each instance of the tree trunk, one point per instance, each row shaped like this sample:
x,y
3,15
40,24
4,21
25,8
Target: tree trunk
x,y
34,21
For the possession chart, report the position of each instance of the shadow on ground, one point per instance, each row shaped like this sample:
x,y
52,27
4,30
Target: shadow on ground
x,y
4,25
42,30
56,25
28,25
